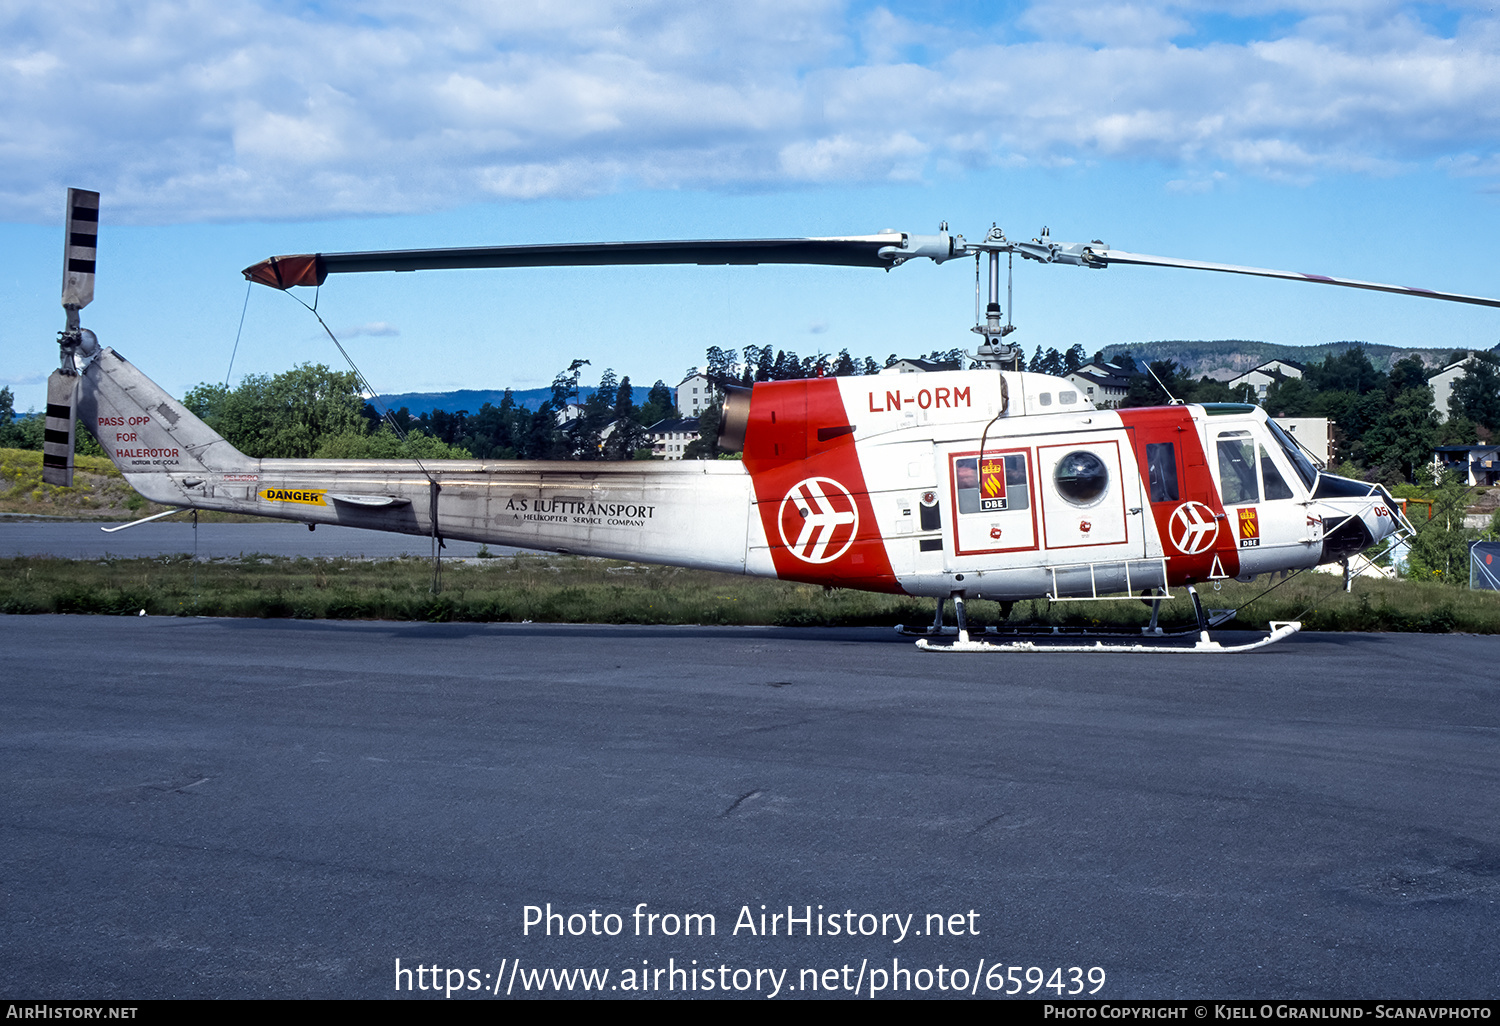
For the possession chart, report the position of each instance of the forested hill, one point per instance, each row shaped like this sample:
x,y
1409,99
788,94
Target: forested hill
x,y
1227,358
1220,360
472,399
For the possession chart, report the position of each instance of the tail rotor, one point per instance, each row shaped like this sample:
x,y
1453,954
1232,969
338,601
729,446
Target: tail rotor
x,y
77,343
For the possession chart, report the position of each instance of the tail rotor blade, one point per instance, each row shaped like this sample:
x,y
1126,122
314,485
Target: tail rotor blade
x,y
57,437
80,252
80,249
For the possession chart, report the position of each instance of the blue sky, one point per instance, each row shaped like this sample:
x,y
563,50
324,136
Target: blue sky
x,y
1349,138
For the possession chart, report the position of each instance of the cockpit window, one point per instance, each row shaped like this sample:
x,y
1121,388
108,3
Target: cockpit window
x,y
1276,486
1305,470
1237,481
1161,471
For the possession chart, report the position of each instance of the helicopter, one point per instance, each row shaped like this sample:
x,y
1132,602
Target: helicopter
x,y
987,483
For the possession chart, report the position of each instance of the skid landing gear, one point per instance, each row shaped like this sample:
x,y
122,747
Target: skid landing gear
x,y
1193,638
963,631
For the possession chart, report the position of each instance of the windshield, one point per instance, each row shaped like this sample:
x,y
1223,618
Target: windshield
x,y
1305,470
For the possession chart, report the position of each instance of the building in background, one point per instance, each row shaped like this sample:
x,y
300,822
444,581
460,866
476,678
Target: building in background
x,y
1105,383
1442,384
668,438
1479,464
694,395
1315,434
1267,374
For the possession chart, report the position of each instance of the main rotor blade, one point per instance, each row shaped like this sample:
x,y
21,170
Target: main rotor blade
x,y
854,251
1098,257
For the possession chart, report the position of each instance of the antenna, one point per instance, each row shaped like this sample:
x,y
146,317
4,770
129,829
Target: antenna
x,y
1172,399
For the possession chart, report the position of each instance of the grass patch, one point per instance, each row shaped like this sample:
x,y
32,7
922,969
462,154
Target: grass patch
x,y
571,589
98,490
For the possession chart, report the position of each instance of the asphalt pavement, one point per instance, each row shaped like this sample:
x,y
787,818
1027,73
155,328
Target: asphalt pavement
x,y
242,808
81,540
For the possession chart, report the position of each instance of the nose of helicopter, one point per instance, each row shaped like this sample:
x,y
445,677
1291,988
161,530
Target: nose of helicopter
x,y
1355,515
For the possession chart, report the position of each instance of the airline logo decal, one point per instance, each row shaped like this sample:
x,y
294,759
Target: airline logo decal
x,y
823,518
1193,528
302,496
1249,528
1187,514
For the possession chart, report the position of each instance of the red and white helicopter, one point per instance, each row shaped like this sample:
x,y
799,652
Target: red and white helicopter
x,y
989,483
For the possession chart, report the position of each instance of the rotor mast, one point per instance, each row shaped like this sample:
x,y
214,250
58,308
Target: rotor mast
x,y
993,352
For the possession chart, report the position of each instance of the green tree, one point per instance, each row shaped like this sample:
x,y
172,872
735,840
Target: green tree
x,y
586,431
1400,444
1290,397
285,416
719,367
544,440
1407,372
385,445
10,433
565,385
765,363
1458,430
1440,551
1147,390
1476,394
706,445
495,431
659,405
628,435
205,400
1350,371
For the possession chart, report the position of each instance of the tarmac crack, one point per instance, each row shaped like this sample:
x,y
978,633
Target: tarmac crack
x,y
747,796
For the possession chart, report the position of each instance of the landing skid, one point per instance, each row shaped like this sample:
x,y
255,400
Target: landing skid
x,y
1203,646
1090,639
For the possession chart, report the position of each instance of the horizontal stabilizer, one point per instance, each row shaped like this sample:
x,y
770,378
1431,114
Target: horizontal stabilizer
x,y
369,500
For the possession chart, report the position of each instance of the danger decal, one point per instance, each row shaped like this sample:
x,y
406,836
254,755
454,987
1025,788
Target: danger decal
x,y
302,496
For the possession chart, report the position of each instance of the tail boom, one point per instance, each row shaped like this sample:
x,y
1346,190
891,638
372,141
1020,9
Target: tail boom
x,y
695,514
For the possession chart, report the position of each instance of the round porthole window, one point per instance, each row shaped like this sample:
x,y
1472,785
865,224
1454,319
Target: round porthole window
x,y
1081,478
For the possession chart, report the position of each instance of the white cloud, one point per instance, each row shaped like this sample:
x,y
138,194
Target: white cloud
x,y
186,110
371,329
849,157
1198,183
1106,22
22,380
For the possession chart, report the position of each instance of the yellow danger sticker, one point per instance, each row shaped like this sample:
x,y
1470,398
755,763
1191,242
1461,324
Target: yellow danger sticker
x,y
305,496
